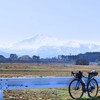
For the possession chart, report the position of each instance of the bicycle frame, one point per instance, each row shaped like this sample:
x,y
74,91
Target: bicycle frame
x,y
85,81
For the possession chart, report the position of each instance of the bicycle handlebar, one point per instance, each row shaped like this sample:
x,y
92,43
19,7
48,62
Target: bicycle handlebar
x,y
77,74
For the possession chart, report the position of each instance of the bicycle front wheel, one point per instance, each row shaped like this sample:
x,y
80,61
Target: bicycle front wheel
x,y
92,88
76,89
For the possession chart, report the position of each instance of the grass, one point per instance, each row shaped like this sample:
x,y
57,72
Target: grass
x,y
41,94
30,70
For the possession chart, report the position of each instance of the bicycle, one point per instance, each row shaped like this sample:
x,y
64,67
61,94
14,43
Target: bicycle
x,y
81,84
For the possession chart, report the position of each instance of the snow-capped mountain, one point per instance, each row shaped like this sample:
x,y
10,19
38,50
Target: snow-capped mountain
x,y
47,46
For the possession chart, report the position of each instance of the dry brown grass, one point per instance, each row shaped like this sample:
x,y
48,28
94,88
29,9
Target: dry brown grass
x,y
31,70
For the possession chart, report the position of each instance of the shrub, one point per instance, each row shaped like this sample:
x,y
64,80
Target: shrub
x,y
82,61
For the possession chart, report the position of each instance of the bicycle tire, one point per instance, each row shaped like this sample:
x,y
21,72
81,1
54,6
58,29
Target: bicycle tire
x,y
92,88
74,91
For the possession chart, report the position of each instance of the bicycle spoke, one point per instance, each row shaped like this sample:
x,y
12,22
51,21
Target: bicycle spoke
x,y
75,89
92,88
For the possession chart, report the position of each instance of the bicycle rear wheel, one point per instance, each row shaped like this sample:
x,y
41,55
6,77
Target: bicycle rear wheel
x,y
76,89
92,88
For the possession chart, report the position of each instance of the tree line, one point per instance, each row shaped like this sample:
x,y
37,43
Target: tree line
x,y
83,59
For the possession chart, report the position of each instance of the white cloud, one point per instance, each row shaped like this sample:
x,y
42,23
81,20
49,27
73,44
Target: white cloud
x,y
42,40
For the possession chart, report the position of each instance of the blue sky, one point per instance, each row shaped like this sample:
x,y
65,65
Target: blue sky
x,y
66,19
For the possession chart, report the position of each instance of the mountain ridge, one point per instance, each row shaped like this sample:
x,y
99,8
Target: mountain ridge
x,y
46,46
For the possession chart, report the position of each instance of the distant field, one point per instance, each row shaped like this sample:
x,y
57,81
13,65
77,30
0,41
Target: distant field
x,y
31,70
